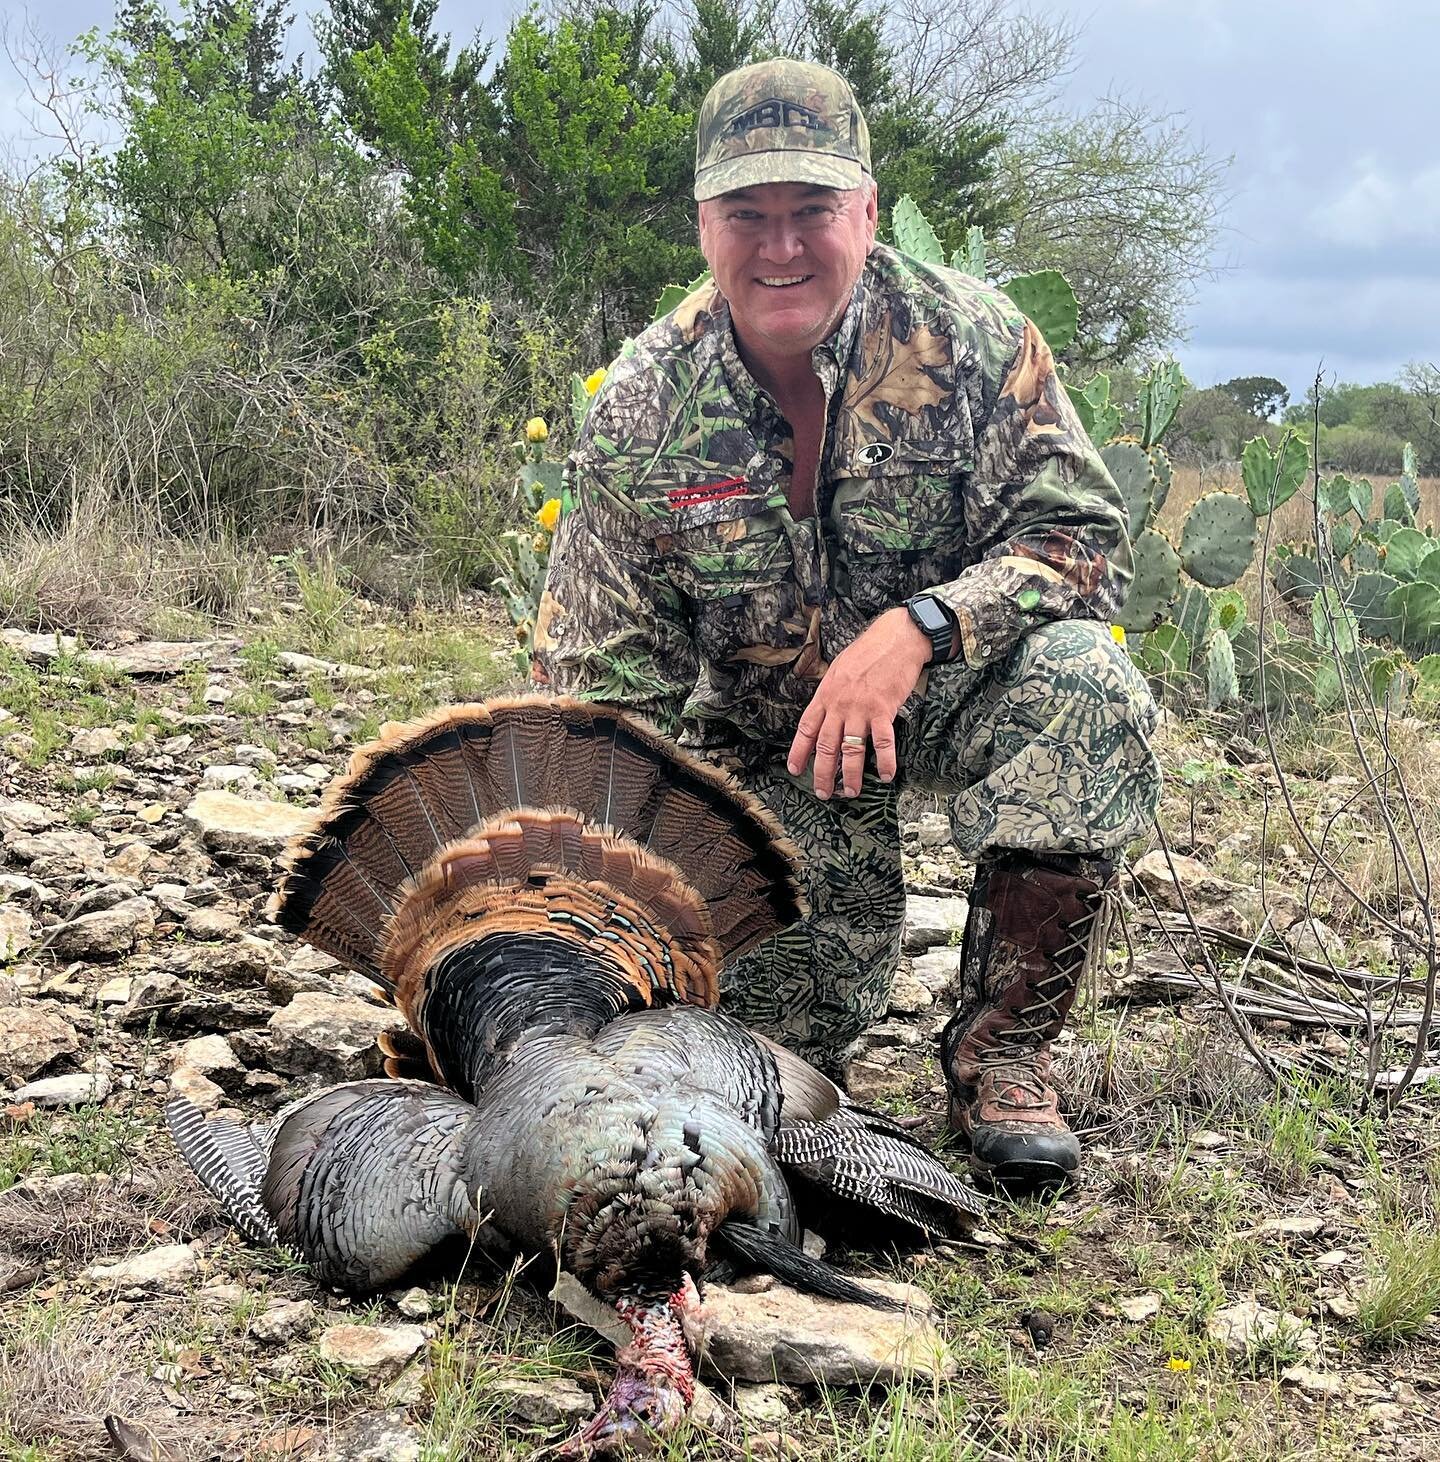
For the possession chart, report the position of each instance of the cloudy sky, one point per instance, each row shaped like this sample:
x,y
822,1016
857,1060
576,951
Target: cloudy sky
x,y
1331,249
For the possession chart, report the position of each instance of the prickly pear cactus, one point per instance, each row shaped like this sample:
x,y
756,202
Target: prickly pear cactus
x,y
1217,543
1159,401
1047,299
1155,583
1221,682
1272,477
1135,477
1164,474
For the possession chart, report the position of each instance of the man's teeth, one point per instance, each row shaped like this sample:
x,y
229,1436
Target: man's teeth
x,y
778,281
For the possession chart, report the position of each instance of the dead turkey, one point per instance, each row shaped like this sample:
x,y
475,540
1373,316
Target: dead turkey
x,y
548,889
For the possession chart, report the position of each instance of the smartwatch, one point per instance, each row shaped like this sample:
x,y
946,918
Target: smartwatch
x,y
936,623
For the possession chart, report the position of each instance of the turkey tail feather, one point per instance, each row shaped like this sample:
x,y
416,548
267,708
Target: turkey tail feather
x,y
408,796
759,1248
229,1161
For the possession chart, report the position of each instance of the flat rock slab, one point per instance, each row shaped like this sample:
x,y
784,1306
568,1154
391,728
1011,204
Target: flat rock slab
x,y
932,921
229,824
105,933
84,1088
30,1039
783,1335
332,1035
165,1268
376,1352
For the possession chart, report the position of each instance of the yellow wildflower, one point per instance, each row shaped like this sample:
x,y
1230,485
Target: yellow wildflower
x,y
1177,1363
1117,633
548,515
536,430
594,381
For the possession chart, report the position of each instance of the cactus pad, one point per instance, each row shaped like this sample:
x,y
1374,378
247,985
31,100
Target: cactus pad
x,y
1218,540
1272,478
1159,401
1427,683
913,234
1398,508
1221,682
1166,652
1416,610
1231,613
1156,582
1164,474
1130,468
1194,614
1406,552
1046,297
1368,599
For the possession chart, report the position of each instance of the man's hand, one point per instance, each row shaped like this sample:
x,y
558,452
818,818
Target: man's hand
x,y
858,697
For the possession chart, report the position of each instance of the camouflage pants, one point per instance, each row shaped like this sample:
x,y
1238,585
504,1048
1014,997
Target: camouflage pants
x,y
1047,751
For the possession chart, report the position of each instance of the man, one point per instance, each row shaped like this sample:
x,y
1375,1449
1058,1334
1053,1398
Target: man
x,y
835,520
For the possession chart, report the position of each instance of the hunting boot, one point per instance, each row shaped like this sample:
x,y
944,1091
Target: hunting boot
x,y
1032,921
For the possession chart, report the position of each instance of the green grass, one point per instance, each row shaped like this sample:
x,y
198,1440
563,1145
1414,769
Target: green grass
x,y
1402,1283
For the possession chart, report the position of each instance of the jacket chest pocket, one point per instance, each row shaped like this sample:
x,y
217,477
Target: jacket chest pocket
x,y
906,518
897,534
732,548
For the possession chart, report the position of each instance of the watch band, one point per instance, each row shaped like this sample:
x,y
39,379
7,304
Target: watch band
x,y
936,622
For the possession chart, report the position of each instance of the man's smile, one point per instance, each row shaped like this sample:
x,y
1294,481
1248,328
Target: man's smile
x,y
784,281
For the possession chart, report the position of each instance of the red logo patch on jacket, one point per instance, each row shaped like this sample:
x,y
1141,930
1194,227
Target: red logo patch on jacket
x,y
706,492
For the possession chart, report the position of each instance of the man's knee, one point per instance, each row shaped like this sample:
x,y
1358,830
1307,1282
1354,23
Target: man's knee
x,y
1073,670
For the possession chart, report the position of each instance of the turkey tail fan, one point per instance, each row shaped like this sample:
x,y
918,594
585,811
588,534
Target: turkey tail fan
x,y
768,1249
407,1057
862,1157
422,786
229,1160
549,873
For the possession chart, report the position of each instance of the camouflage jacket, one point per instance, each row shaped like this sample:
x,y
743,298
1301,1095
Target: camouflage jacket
x,y
681,586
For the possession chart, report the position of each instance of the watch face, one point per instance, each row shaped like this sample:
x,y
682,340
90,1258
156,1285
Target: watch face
x,y
929,616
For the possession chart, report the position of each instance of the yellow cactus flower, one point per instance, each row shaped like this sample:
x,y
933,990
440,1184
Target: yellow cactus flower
x,y
1177,1363
594,381
536,430
1117,633
548,515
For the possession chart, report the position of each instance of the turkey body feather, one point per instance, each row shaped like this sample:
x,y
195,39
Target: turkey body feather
x,y
547,890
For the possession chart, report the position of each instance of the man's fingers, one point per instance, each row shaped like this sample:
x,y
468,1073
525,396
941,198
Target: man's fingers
x,y
827,756
882,738
852,759
803,745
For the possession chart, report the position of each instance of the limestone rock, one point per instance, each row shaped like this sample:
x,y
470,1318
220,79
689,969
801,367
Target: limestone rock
x,y
26,817
553,1401
211,924
414,1304
78,1090
162,1269
94,742
332,1035
229,776
229,824
1313,1382
909,996
1201,888
105,933
377,1352
283,1322
1247,1323
213,1056
30,1039
1139,1307
60,851
17,932
932,921
764,1404
938,970
784,1335
198,1090
382,1437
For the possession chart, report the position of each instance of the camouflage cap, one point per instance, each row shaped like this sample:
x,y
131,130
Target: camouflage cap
x,y
780,122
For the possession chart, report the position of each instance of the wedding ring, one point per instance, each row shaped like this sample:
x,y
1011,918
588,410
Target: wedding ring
x,y
852,740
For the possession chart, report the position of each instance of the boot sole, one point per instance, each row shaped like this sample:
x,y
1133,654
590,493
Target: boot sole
x,y
1020,1179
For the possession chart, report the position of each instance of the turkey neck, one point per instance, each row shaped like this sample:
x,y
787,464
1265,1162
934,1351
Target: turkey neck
x,y
484,1000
